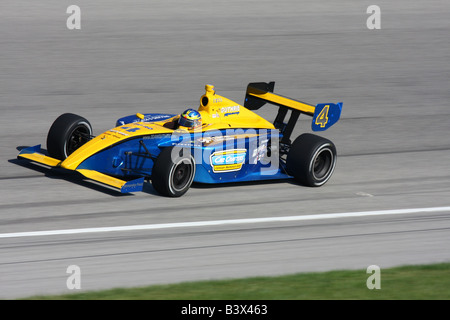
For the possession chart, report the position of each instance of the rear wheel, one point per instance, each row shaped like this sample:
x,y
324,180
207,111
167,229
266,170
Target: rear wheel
x,y
67,133
173,172
311,160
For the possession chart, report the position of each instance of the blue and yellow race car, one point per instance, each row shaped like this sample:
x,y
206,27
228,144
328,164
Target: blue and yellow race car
x,y
220,142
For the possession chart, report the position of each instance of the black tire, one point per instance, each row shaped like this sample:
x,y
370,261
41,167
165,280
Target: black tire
x,y
311,160
173,172
67,133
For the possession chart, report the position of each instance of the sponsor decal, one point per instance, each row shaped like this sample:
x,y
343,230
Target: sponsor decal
x,y
260,152
229,111
132,119
228,160
214,140
119,132
156,117
158,136
142,125
130,129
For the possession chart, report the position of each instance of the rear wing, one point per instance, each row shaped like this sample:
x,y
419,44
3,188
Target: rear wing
x,y
324,114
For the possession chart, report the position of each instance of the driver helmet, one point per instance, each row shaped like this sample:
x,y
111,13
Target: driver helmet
x,y
190,119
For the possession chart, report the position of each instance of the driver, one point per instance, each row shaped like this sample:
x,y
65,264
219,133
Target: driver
x,y
190,119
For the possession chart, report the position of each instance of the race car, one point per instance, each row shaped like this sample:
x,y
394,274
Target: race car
x,y
222,141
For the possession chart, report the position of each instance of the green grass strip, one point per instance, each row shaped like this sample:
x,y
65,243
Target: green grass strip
x,y
418,282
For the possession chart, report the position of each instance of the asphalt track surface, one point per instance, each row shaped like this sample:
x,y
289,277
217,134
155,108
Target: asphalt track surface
x,y
152,56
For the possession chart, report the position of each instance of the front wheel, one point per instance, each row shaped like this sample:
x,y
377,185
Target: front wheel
x,y
173,172
311,160
67,133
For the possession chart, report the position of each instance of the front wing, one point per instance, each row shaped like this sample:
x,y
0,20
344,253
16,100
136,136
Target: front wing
x,y
35,154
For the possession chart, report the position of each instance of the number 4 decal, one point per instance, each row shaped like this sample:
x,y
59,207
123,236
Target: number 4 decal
x,y
325,115
322,117
128,129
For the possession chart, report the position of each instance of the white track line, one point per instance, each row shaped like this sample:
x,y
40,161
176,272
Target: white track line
x,y
221,222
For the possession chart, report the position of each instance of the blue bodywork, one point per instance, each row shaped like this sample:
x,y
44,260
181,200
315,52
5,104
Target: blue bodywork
x,y
220,155
148,117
